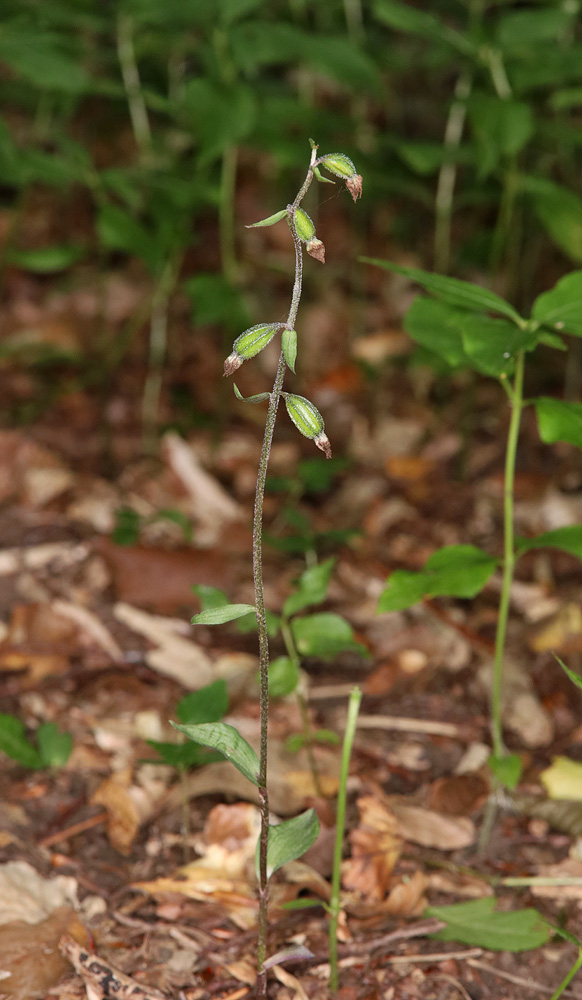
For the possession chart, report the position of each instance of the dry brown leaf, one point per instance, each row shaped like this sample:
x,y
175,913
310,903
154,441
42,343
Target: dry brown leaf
x,y
122,812
563,631
430,829
458,794
174,655
376,846
102,979
207,884
27,896
30,961
406,898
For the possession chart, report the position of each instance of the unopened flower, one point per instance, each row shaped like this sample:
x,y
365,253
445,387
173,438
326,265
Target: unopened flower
x,y
323,443
308,420
304,225
248,344
341,165
315,248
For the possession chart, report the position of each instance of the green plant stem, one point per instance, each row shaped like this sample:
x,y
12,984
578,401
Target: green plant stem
x,y
260,600
568,977
157,353
448,173
131,81
334,903
226,215
517,403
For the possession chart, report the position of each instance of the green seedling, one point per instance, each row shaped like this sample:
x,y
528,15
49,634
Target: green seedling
x,y
53,748
471,327
129,524
313,634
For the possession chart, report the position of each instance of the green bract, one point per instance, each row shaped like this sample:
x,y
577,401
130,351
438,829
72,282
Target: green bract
x,y
304,225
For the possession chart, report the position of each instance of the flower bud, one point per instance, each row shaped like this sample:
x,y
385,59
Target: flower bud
x,y
342,166
308,420
251,342
315,248
304,225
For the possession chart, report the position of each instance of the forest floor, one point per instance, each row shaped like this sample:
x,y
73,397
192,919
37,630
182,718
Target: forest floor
x,y
150,871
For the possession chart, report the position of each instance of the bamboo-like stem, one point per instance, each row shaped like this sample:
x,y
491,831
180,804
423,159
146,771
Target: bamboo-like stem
x,y
131,81
334,903
517,403
259,594
448,173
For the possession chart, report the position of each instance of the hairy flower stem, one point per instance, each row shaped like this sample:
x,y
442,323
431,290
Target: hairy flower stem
x,y
259,595
516,397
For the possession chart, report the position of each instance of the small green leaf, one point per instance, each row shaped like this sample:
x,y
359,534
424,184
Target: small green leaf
x,y
218,616
15,743
559,421
259,397
462,294
568,539
506,769
453,571
227,741
289,840
208,704
561,307
289,347
575,678
312,587
54,747
304,904
270,220
283,676
479,923
322,180
184,755
48,260
127,526
325,635
491,344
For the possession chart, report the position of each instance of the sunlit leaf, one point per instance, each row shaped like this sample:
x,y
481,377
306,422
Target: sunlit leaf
x,y
225,613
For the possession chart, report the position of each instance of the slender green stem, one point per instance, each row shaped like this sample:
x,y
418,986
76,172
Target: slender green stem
x,y
260,600
226,215
448,173
509,554
131,81
569,977
334,903
157,353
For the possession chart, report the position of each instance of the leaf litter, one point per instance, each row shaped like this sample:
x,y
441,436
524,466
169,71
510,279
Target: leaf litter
x,y
96,639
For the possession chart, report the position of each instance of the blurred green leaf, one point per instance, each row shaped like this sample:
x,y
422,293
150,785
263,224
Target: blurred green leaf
x,y
312,587
568,539
559,420
325,635
208,704
453,571
223,613
283,676
561,307
15,743
47,260
479,923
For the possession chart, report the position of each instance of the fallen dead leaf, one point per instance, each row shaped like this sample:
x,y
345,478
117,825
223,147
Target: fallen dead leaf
x,y
212,507
27,896
122,811
458,794
174,655
376,845
30,961
429,828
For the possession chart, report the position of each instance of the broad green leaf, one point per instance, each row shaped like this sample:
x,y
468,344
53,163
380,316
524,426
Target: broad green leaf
x,y
208,704
324,635
54,747
41,58
507,769
312,587
184,755
435,325
521,29
289,840
225,613
215,300
501,128
259,397
491,344
426,158
559,421
575,678
479,923
219,116
210,597
15,744
283,676
560,213
404,17
118,229
462,294
568,539
289,347
47,260
270,220
227,741
563,779
453,571
561,307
